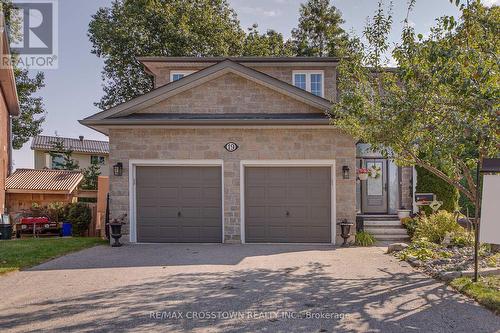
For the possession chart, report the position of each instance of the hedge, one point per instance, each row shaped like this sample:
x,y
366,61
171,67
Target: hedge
x,y
429,183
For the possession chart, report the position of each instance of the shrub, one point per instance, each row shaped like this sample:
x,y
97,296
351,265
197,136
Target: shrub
x,y
80,216
462,239
436,226
430,183
364,238
410,225
421,249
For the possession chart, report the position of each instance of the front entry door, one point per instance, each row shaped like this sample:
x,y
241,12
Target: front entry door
x,y
374,190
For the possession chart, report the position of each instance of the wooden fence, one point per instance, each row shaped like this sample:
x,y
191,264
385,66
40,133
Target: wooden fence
x,y
93,231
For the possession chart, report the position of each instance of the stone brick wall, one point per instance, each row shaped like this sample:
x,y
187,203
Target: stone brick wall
x,y
255,144
283,73
230,93
407,187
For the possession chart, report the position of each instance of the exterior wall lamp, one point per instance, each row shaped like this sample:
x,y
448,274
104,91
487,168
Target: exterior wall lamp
x,y
118,169
345,172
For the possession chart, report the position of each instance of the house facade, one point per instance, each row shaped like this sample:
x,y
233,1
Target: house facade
x,y
85,152
233,150
9,108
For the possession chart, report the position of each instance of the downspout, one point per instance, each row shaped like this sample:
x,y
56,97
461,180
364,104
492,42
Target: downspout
x,y
9,142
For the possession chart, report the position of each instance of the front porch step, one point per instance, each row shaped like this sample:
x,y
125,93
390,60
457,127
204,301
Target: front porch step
x,y
386,231
382,224
392,238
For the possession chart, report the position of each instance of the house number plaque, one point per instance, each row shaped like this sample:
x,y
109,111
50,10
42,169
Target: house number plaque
x,y
231,146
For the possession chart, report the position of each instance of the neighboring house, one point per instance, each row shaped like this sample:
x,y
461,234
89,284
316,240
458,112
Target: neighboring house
x,y
85,152
236,150
26,187
9,107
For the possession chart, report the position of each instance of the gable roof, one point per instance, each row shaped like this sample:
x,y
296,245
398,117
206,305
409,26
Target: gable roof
x,y
200,77
43,181
43,142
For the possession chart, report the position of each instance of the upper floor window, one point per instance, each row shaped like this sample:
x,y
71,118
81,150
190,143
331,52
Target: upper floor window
x,y
177,75
97,159
311,81
57,161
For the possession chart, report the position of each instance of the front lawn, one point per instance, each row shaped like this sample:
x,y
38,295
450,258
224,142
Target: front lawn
x,y
23,253
486,291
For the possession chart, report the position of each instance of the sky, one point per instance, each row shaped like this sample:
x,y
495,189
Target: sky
x,y
72,89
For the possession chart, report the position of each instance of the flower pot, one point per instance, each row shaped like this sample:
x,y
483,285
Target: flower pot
x,y
363,176
116,233
402,213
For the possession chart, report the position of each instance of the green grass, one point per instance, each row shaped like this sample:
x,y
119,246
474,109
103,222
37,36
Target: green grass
x,y
23,253
486,291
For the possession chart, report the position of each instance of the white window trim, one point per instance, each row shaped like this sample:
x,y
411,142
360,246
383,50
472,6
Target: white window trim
x,y
185,73
308,79
290,163
132,186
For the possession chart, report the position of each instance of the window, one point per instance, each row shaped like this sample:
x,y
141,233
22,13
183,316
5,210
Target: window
x,y
97,160
57,161
177,75
311,81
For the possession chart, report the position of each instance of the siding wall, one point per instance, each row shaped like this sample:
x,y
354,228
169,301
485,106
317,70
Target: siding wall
x,y
4,149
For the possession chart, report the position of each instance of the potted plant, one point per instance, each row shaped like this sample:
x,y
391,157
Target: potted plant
x,y
116,230
403,213
363,173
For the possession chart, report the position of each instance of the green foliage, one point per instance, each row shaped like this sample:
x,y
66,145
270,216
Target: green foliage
x,y
59,151
436,226
319,32
428,182
91,176
485,291
131,28
462,239
269,44
80,216
410,225
364,238
421,249
29,123
442,98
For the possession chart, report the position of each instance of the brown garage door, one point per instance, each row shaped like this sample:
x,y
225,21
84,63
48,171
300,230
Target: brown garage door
x,y
288,204
179,204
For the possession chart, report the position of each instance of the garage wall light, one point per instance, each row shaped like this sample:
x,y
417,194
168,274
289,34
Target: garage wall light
x,y
345,172
118,169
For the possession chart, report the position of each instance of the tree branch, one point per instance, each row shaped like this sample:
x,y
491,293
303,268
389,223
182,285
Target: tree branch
x,y
443,176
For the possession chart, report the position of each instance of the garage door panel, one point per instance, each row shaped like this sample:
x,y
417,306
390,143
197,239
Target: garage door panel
x,y
195,192
276,176
167,193
303,192
276,194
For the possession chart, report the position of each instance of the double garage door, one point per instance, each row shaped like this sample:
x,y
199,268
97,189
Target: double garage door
x,y
183,204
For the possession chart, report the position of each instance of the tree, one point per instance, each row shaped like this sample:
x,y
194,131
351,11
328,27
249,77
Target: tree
x,y
91,176
319,32
269,44
62,157
439,108
29,123
132,28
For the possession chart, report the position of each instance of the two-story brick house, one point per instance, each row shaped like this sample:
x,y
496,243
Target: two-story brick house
x,y
232,150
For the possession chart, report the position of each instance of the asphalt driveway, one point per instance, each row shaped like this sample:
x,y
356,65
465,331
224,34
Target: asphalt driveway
x,y
228,288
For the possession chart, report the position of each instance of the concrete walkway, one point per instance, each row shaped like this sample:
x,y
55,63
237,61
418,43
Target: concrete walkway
x,y
231,288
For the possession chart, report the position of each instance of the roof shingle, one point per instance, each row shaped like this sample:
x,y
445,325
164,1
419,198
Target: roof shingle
x,y
43,180
43,142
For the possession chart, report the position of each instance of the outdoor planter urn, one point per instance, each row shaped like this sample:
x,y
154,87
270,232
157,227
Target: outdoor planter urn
x,y
345,228
116,230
